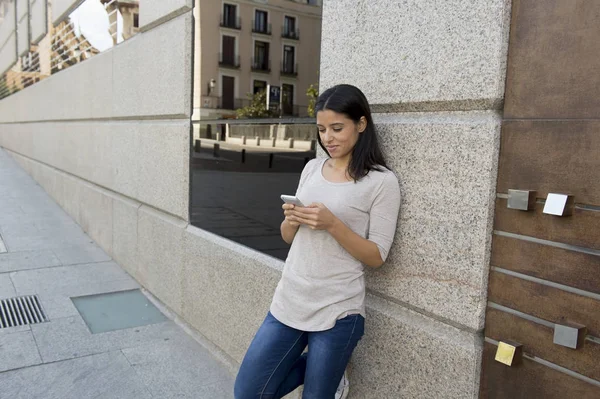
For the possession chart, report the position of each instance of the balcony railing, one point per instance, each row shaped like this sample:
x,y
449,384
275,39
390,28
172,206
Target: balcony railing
x,y
229,61
231,22
257,27
289,69
261,65
290,33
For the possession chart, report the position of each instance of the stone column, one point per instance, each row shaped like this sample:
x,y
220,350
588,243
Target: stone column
x,y
434,73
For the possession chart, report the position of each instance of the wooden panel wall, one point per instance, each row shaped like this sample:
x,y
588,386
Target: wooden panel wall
x,y
545,270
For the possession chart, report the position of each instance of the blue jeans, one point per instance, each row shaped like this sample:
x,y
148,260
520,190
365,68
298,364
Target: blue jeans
x,y
275,365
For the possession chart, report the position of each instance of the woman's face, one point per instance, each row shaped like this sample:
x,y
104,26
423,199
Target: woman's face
x,y
339,133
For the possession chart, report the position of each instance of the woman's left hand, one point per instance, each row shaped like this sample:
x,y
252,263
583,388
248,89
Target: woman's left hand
x,y
316,216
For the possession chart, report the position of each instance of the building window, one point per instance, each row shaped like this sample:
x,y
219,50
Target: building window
x,y
136,20
261,61
259,86
287,99
261,22
288,66
228,92
229,19
290,31
228,57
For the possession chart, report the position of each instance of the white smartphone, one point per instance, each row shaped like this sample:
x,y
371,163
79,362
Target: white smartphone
x,y
291,199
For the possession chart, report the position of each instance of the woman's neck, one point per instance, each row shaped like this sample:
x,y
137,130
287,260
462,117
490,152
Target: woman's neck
x,y
340,163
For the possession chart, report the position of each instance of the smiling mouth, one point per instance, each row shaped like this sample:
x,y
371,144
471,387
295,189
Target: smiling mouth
x,y
331,147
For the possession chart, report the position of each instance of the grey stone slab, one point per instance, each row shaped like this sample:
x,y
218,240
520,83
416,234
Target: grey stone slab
x,y
7,289
13,330
81,254
181,369
216,304
17,350
447,54
21,228
161,9
169,95
125,234
96,215
106,375
160,255
404,354
218,390
43,241
447,165
69,337
64,278
25,260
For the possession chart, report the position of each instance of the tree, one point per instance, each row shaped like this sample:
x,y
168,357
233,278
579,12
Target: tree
x,y
312,93
257,107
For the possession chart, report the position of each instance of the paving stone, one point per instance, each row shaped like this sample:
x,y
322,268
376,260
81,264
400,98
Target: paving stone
x,y
17,350
61,279
106,375
25,260
69,338
12,330
81,254
7,289
179,368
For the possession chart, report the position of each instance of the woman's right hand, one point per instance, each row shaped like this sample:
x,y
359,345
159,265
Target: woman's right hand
x,y
287,211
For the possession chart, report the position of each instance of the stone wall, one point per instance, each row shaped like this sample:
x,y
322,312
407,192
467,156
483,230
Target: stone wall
x,y
434,73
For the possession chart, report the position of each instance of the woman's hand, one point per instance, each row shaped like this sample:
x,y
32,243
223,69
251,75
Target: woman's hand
x,y
287,211
315,216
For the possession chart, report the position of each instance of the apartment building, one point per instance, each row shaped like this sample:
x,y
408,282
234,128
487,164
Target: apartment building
x,y
242,46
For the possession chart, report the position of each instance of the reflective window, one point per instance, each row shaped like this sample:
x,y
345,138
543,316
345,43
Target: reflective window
x,y
93,27
253,124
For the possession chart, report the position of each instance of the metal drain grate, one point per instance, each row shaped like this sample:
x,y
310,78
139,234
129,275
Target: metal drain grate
x,y
21,311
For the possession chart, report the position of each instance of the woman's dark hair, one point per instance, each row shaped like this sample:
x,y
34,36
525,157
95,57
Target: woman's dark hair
x,y
350,101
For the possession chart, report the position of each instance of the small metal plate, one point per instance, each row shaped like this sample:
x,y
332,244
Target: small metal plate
x,y
117,311
569,336
509,353
523,200
558,204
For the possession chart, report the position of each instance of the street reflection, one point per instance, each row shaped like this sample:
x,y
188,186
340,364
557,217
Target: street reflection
x,y
237,180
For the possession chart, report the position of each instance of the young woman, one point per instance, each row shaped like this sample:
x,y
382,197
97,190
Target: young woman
x,y
349,219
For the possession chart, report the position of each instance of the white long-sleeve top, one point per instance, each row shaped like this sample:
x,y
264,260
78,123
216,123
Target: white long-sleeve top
x,y
321,281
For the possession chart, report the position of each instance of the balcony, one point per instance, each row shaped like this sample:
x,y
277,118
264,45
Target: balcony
x,y
232,103
231,22
293,34
261,65
289,69
229,61
262,28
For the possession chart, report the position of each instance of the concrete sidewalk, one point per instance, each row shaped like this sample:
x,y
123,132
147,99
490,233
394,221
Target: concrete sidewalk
x,y
48,255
